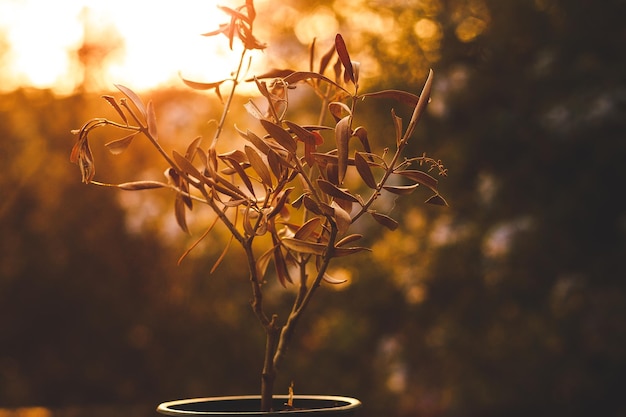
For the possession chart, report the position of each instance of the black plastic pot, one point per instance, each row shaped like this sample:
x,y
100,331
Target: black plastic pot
x,y
249,405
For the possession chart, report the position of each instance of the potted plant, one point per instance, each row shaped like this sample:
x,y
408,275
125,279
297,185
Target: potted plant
x,y
289,193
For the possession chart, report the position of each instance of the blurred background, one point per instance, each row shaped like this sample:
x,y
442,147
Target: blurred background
x,y
512,301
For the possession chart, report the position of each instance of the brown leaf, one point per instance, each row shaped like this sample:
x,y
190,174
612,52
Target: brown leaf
x,y
307,229
364,171
202,86
118,146
259,166
307,75
180,212
274,73
338,109
118,109
344,56
421,104
420,177
342,218
133,97
186,166
279,262
342,137
338,252
348,239
234,162
398,95
280,135
333,281
401,189
192,148
361,133
334,191
151,120
397,122
437,200
140,185
384,220
303,246
325,59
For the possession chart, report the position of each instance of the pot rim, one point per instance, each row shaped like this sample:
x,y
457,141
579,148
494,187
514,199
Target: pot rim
x,y
349,405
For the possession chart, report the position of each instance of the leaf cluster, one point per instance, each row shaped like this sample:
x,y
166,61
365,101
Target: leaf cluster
x,y
300,187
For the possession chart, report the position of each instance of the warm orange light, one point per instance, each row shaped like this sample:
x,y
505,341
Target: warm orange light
x,y
140,44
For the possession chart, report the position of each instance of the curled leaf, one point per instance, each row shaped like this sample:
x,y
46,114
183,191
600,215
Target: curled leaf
x,y
334,281
420,177
401,189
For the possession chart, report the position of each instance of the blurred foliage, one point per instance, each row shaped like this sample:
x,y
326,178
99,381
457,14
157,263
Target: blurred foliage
x,y
512,302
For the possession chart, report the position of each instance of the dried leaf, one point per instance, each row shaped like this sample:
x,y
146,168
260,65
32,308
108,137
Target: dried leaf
x,y
348,239
397,122
141,185
401,189
236,165
361,133
344,56
118,109
421,105
118,146
338,252
192,148
180,213
334,191
333,281
253,110
420,177
342,137
398,95
256,141
437,200
342,218
186,166
274,73
307,229
384,220
280,135
364,171
202,86
303,246
337,110
307,75
151,120
134,98
259,166
325,59
279,262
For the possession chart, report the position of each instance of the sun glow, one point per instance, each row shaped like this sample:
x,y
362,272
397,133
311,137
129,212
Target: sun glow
x,y
90,43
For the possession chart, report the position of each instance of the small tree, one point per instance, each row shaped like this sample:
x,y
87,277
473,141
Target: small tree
x,y
303,186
